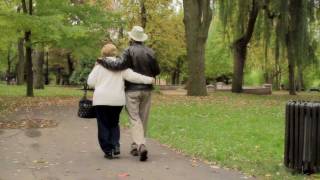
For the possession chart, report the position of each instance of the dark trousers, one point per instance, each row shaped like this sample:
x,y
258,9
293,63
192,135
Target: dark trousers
x,y
108,127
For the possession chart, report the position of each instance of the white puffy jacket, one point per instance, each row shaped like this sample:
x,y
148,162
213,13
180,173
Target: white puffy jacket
x,y
109,85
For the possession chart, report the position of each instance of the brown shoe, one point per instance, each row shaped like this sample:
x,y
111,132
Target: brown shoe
x,y
134,149
143,152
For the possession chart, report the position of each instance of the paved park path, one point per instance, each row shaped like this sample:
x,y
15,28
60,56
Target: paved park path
x,y
70,151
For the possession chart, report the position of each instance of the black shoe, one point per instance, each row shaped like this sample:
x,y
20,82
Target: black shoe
x,y
116,150
108,155
134,149
143,152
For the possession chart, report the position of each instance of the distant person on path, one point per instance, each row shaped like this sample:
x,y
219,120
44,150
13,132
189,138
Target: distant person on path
x,y
140,59
109,98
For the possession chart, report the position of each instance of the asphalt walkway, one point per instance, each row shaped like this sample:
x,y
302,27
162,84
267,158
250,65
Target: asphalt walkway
x,y
70,151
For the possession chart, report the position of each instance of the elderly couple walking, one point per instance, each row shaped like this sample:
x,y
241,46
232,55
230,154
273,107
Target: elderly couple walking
x,y
119,81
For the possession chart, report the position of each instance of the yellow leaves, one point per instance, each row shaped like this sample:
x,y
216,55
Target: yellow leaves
x,y
164,27
28,123
214,167
13,104
194,162
41,161
268,175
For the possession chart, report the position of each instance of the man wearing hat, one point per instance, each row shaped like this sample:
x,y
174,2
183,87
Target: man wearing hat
x,y
140,59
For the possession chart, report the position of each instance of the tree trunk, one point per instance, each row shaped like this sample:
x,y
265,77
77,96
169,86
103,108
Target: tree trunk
x,y
197,20
179,65
58,76
28,46
239,57
29,64
38,70
292,89
46,76
266,71
175,77
291,66
9,76
240,49
143,14
277,65
294,39
21,63
177,80
70,67
300,82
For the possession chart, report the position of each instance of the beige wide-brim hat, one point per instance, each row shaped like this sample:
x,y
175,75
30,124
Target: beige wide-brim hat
x,y
137,34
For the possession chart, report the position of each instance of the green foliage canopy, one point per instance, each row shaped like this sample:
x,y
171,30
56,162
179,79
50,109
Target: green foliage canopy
x,y
79,28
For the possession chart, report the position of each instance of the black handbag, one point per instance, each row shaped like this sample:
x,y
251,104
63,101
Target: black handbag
x,y
86,109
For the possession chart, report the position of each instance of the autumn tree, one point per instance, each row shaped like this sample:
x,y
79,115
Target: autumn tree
x,y
164,26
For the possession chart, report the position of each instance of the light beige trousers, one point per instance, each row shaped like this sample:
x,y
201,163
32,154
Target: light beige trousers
x,y
138,105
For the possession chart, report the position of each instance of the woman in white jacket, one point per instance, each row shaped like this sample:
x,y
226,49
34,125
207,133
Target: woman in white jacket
x,y
109,99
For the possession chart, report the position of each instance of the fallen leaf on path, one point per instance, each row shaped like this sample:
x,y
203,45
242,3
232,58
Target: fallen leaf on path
x,y
40,161
194,164
122,175
244,177
215,167
28,123
268,175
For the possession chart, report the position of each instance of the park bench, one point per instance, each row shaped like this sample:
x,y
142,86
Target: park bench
x,y
314,89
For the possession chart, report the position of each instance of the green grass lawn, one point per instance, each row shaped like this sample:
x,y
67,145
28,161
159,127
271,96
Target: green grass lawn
x,y
12,97
240,131
244,132
49,91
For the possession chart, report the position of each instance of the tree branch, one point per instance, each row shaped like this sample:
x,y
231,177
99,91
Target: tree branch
x,y
205,17
252,20
41,42
143,14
